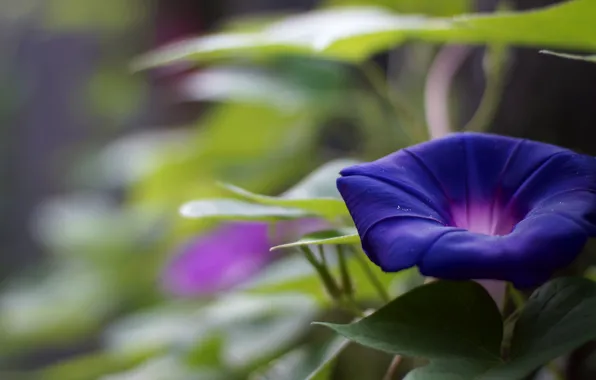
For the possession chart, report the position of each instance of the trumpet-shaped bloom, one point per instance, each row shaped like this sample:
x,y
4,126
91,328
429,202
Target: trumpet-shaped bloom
x,y
229,255
474,206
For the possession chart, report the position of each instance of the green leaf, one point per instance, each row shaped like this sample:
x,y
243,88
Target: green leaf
x,y
89,367
559,317
250,86
231,209
442,8
588,58
442,320
304,34
329,237
355,33
452,369
166,367
316,194
305,363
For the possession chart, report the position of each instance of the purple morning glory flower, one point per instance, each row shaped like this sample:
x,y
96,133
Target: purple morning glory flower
x,y
229,255
474,206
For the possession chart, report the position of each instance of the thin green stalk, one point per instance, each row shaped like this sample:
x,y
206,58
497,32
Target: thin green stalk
x,y
372,278
518,299
415,128
393,367
494,67
322,254
346,281
328,280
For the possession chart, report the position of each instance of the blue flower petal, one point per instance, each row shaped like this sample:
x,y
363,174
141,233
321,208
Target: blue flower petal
x,y
474,206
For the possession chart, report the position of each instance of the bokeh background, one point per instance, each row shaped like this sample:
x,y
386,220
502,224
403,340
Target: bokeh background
x,y
97,158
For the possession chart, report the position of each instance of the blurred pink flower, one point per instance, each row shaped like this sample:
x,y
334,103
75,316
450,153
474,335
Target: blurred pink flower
x,y
229,255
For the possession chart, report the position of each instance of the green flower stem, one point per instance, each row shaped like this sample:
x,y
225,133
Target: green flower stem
x,y
495,63
518,299
415,130
393,367
346,281
322,254
328,281
372,278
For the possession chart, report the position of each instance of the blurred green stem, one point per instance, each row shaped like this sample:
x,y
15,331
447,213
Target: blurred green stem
x,y
371,277
495,63
415,128
514,295
393,367
323,272
346,281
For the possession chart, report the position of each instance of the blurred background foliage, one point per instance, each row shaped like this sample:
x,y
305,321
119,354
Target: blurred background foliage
x,y
97,160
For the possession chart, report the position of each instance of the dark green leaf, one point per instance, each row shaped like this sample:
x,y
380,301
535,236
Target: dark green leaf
x,y
330,237
231,209
451,369
353,34
442,320
559,317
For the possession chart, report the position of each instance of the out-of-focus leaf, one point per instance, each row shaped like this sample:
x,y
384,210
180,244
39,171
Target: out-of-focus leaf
x,y
243,85
305,363
88,367
231,209
255,146
587,58
232,332
303,34
133,157
442,8
329,237
469,327
46,310
104,15
90,225
353,34
166,368
316,194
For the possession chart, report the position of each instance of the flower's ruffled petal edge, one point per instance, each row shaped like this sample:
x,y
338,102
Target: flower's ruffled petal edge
x,y
371,202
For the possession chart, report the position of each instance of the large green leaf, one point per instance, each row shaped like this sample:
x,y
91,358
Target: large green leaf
x,y
305,34
443,320
559,317
355,33
231,209
316,194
